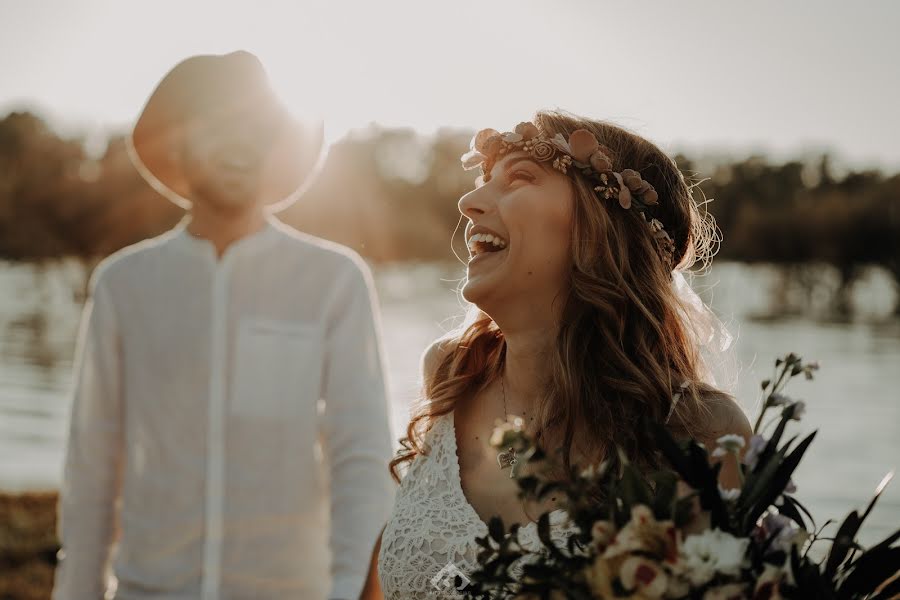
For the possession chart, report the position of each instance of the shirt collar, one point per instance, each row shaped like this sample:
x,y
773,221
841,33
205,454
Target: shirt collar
x,y
247,244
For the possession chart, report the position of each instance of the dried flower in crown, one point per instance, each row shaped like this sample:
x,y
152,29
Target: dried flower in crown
x,y
588,157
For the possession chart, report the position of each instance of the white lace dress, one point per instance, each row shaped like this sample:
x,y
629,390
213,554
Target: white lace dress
x,y
430,535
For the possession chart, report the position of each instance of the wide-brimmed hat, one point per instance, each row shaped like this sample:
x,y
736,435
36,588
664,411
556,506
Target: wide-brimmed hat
x,y
221,87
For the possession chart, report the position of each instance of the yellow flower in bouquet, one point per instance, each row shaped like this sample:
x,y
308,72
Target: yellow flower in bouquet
x,y
644,533
644,577
599,578
640,556
729,591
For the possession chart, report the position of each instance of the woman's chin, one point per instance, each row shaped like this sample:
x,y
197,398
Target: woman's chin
x,y
470,292
483,276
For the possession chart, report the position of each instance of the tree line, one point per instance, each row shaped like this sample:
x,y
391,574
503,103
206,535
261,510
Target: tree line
x,y
391,194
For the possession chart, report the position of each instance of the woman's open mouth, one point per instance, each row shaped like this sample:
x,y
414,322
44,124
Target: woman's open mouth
x,y
483,245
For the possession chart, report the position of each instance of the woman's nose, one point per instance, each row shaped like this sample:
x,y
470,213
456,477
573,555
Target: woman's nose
x,y
476,203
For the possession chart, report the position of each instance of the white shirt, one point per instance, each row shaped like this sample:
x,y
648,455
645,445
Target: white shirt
x,y
229,434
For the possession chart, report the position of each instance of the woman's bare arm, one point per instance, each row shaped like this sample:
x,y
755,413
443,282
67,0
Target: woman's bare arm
x,y
429,362
372,588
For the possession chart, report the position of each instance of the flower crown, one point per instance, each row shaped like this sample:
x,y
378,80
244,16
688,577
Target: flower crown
x,y
587,155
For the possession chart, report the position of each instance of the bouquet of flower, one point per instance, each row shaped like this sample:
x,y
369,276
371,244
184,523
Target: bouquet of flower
x,y
647,538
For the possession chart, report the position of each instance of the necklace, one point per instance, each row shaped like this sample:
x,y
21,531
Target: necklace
x,y
507,458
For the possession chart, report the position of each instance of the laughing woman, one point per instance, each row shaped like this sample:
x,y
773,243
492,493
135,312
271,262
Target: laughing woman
x,y
578,232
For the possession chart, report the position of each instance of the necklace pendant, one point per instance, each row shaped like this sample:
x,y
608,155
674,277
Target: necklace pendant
x,y
508,459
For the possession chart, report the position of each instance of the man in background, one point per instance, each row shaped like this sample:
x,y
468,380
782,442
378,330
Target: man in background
x,y
229,433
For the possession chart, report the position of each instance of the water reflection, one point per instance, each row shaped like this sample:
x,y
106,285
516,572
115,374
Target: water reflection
x,y
852,401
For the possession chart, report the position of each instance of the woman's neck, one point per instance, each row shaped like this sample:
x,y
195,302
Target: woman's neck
x,y
526,369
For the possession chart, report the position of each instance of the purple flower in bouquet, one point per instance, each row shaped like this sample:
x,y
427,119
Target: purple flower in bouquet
x,y
757,445
796,410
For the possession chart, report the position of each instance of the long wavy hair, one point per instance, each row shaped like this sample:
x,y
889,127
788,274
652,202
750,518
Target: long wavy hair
x,y
621,350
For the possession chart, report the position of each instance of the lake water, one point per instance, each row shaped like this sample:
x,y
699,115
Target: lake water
x,y
853,401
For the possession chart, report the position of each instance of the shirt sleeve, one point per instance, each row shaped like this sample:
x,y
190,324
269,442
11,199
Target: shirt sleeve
x,y
357,431
92,468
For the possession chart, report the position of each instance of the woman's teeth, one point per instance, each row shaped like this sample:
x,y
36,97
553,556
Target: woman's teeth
x,y
485,242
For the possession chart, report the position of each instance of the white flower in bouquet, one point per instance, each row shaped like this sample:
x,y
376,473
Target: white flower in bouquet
x,y
713,551
730,494
728,444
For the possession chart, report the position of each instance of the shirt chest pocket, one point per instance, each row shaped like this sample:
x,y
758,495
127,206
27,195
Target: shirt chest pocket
x,y
277,368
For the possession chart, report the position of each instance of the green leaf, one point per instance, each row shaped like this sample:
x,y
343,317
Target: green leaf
x,y
756,482
777,483
693,466
495,528
886,542
810,583
772,445
890,591
805,510
683,511
878,490
788,509
843,541
664,493
869,571
543,528
634,490
527,485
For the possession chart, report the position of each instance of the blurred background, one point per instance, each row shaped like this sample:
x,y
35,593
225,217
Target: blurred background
x,y
788,112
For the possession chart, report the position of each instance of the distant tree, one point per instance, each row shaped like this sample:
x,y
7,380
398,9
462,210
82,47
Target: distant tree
x,y
392,195
56,201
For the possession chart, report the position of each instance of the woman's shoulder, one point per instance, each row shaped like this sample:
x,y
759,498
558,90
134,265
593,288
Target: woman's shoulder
x,y
434,355
721,414
727,416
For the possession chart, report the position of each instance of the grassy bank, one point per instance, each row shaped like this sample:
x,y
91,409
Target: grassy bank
x,y
28,545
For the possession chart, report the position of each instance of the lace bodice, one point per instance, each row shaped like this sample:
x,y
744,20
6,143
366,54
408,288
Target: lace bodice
x,y
430,536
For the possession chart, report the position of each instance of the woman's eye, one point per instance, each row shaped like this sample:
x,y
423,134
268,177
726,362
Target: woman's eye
x,y
524,175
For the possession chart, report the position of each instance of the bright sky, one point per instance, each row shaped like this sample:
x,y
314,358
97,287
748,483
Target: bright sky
x,y
781,77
